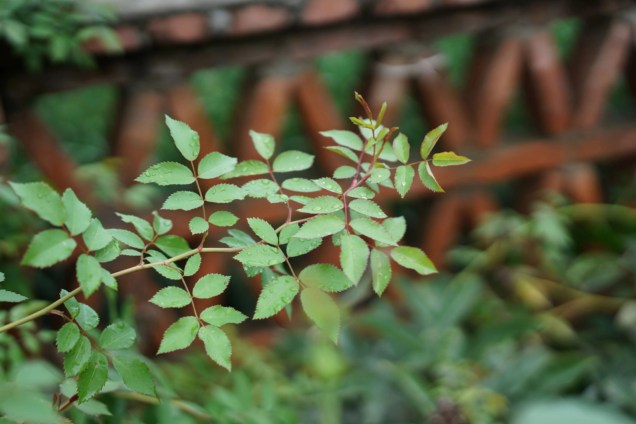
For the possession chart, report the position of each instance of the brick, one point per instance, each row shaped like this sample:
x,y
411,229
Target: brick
x,y
596,62
395,7
264,108
546,85
582,184
137,135
46,152
441,103
130,38
260,18
319,113
321,12
493,77
443,227
183,28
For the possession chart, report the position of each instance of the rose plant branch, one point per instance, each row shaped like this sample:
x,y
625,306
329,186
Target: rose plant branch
x,y
338,209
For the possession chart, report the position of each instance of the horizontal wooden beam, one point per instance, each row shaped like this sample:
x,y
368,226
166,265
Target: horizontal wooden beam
x,y
169,64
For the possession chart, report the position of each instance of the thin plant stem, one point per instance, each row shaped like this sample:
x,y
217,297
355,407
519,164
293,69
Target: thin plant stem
x,y
126,271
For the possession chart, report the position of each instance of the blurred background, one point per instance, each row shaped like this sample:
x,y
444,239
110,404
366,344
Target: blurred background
x,y
532,318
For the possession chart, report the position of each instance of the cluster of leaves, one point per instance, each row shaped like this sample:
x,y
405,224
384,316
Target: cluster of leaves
x,y
55,30
340,208
473,347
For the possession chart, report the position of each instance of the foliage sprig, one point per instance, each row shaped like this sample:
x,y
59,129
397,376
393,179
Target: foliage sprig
x,y
339,209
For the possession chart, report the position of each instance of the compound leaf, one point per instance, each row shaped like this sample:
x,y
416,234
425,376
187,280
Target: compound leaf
x,y
179,335
48,248
276,294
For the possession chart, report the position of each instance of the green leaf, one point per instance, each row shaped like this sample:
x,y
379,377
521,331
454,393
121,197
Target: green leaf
x,y
325,277
301,185
263,143
210,285
321,226
87,318
77,357
77,214
185,138
386,154
239,239
275,295
142,226
247,168
404,179
171,297
217,345
223,219
260,255
564,410
361,193
379,175
344,152
96,237
449,159
322,205
135,373
166,173
89,274
287,232
277,198
402,148
299,246
344,138
41,199
108,253
67,337
329,185
108,280
170,272
172,245
183,200
48,248
372,229
160,225
396,227
367,207
198,225
93,377
128,238
218,315
427,178
71,304
215,164
192,265
263,230
260,189
118,335
430,140
303,200
293,160
2,277
380,271
11,297
179,335
413,258
224,193
344,172
322,310
354,254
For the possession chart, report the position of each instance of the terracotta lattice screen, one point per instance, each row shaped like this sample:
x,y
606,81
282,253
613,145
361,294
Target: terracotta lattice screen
x,y
531,111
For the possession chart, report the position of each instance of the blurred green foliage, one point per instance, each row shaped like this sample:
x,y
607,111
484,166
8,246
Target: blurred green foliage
x,y
532,327
55,30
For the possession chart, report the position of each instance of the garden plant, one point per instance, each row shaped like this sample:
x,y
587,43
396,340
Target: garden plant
x,y
339,209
